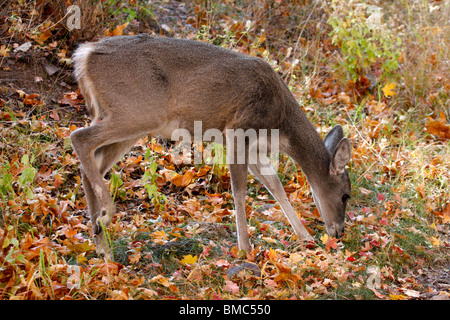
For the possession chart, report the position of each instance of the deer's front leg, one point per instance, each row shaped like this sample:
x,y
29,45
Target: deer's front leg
x,y
238,174
267,175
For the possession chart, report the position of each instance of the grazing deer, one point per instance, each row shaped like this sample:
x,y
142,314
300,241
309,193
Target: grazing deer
x,y
134,85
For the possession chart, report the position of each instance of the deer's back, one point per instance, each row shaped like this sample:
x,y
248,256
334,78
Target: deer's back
x,y
185,80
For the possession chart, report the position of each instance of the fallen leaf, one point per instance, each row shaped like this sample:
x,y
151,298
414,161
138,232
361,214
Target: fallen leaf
x,y
324,238
32,99
397,297
134,257
343,97
388,90
439,127
421,190
4,51
159,237
270,284
161,280
189,259
272,254
118,31
231,287
187,178
435,241
411,293
269,240
222,263
148,292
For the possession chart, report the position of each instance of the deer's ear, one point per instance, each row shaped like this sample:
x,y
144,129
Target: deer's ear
x,y
340,157
333,137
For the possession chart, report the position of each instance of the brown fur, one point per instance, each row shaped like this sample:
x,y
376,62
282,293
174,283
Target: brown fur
x,y
139,84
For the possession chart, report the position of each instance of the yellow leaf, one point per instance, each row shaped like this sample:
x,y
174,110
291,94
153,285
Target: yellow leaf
x,y
324,238
435,241
388,90
4,51
189,259
397,297
272,254
295,258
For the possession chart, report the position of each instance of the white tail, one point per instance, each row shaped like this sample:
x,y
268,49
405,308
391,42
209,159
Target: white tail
x,y
134,85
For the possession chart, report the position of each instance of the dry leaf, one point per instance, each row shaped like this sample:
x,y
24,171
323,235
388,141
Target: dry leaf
x,y
161,280
4,51
44,36
118,31
343,97
439,127
231,287
148,292
187,178
388,90
189,259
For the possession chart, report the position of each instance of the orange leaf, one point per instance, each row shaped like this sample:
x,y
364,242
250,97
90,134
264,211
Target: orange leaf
x,y
187,178
32,99
421,190
438,127
134,257
272,255
176,179
203,171
44,36
117,31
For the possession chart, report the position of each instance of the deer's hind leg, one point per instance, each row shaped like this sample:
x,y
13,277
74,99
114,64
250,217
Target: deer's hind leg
x,y
97,152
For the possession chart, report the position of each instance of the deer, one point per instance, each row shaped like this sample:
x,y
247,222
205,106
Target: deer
x,y
140,84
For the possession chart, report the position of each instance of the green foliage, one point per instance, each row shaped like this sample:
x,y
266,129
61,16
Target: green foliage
x,y
129,11
159,200
24,180
115,183
364,41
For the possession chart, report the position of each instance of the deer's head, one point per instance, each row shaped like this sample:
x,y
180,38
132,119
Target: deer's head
x,y
332,193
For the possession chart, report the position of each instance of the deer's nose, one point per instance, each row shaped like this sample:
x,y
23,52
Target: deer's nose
x,y
336,230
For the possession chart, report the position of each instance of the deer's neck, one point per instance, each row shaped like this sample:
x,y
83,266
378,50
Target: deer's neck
x,y
305,145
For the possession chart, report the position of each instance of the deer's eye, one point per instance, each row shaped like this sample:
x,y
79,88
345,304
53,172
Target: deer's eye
x,y
345,198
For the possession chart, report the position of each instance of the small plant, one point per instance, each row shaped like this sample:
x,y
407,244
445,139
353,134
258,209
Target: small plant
x,y
217,157
159,200
27,176
115,183
364,40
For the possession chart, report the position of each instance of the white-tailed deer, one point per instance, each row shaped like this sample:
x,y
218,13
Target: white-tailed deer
x,y
134,85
